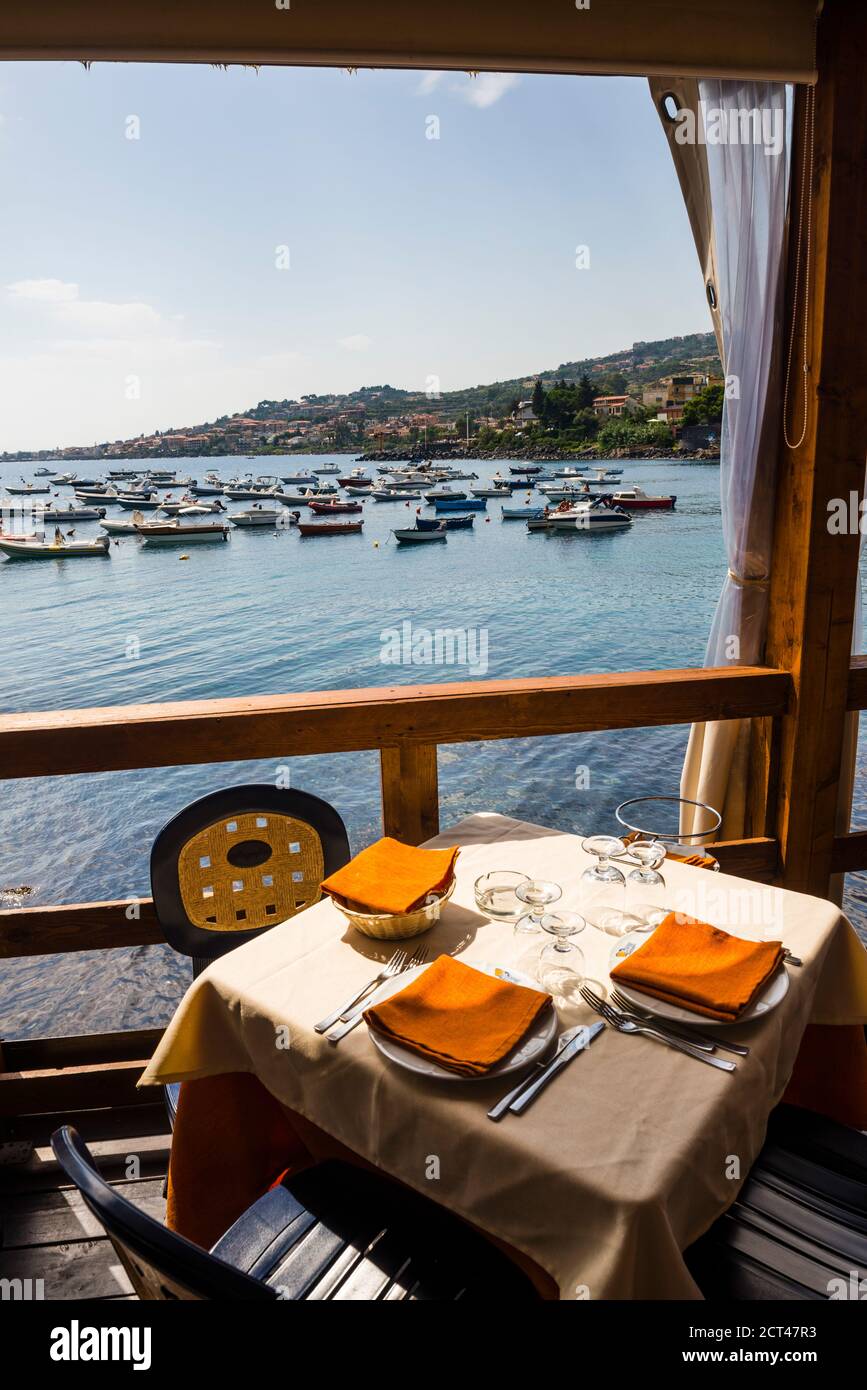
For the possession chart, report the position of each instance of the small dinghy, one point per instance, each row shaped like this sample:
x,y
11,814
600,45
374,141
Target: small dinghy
x,y
394,494
27,489
58,549
522,513
327,508
491,491
471,504
51,515
414,537
445,494
206,489
329,528
444,523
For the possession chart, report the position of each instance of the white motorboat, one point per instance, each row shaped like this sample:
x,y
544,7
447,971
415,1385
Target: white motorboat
x,y
491,491
590,517
170,532
43,472
394,494
257,515
328,468
123,526
147,502
58,549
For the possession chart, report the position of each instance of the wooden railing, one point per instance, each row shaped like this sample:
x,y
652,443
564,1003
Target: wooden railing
x,y
406,724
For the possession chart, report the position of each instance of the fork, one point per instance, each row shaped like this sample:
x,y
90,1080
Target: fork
x,y
352,1017
684,1031
393,966
628,1025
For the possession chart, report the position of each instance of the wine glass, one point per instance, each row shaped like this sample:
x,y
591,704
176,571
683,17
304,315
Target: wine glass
x,y
645,886
561,964
604,886
537,893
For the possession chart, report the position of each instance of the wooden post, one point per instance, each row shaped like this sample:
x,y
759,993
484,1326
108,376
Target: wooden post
x,y
410,792
814,571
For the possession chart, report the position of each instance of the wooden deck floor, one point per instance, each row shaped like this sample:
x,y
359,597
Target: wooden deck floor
x,y
46,1232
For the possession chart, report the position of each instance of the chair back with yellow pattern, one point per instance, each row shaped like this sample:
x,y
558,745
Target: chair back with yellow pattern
x,y
238,862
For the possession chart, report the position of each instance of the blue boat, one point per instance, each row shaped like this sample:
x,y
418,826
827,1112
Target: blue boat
x,y
472,504
449,523
522,513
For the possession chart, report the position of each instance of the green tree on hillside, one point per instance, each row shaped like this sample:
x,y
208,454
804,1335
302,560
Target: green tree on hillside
x,y
706,408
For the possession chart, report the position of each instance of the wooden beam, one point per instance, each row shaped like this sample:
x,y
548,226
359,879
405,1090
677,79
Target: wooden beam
x,y
87,1049
49,931
72,1088
116,737
813,574
849,855
757,858
410,792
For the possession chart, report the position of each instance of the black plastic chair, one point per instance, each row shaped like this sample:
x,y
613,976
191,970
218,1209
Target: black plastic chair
x,y
798,1229
235,863
331,1232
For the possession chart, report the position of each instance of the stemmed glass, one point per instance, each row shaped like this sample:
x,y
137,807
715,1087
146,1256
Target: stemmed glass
x,y
604,886
645,886
561,964
537,893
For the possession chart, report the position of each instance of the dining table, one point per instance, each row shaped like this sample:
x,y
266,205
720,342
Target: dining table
x,y
623,1161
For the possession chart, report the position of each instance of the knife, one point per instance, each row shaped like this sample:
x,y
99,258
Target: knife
x,y
497,1111
583,1038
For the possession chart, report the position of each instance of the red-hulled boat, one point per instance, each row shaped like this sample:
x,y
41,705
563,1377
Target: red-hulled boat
x,y
329,528
635,499
334,508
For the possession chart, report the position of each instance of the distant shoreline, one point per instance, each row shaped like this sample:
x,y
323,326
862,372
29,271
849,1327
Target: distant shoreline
x,y
435,453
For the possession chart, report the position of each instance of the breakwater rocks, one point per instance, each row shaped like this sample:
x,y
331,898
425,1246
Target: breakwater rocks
x,y
447,453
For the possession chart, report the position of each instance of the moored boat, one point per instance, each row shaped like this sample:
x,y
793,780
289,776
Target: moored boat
x,y
394,494
123,526
522,513
329,508
27,489
58,549
463,504
635,499
445,523
54,514
329,528
258,515
169,532
445,494
407,536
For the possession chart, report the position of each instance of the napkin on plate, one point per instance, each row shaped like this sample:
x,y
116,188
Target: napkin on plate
x,y
700,967
391,877
459,1017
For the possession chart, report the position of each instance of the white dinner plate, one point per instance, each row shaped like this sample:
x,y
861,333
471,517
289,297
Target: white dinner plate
x,y
533,1046
773,993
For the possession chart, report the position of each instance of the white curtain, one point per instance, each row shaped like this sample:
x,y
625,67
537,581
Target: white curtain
x,y
747,183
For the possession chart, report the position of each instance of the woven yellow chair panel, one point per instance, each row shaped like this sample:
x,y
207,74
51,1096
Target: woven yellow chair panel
x,y
250,871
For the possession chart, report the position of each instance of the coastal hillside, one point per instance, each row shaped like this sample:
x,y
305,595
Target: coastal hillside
x,y
350,420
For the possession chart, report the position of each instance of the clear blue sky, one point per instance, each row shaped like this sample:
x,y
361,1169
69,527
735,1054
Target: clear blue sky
x,y
409,257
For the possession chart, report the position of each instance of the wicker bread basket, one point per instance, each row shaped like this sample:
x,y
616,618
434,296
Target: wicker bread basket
x,y
386,926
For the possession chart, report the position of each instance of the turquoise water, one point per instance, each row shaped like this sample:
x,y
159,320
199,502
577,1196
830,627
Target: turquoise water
x,y
272,612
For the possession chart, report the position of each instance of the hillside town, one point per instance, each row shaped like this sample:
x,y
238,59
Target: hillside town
x,y
606,406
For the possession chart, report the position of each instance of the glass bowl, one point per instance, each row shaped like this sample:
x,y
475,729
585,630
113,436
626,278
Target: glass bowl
x,y
496,897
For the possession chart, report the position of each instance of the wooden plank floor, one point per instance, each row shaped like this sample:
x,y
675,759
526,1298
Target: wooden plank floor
x,y
46,1231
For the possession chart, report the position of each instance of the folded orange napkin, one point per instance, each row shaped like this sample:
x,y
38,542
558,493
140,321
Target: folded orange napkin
x,y
459,1017
391,877
700,967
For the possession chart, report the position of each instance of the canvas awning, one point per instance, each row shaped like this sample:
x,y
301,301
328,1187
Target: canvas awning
x,y
770,39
